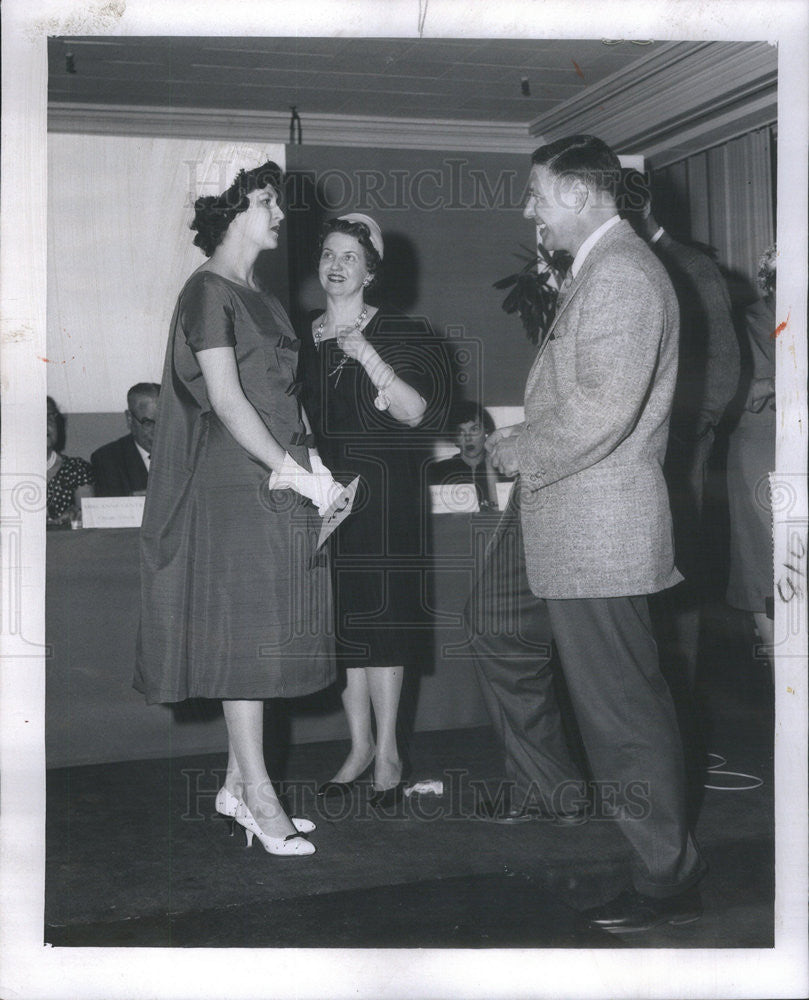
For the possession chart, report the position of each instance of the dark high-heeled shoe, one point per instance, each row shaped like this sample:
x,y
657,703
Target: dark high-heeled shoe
x,y
335,789
332,789
388,797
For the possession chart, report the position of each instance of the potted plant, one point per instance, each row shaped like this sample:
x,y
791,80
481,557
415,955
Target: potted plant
x,y
533,295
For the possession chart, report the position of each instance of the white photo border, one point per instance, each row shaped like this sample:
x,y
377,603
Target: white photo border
x,y
28,968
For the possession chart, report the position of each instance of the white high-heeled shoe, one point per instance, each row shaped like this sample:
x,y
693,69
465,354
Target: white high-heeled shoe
x,y
227,804
293,845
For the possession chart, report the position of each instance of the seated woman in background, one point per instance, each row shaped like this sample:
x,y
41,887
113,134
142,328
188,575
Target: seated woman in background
x,y
69,479
470,425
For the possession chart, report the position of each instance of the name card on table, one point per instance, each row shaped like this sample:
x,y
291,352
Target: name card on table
x,y
503,493
112,512
454,498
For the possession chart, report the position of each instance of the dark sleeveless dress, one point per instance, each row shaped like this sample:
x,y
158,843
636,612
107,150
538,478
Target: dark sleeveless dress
x,y
234,601
380,553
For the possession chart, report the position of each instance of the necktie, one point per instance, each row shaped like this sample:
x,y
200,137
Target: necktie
x,y
564,289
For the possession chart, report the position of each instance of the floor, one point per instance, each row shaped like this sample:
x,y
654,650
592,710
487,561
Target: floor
x,y
137,855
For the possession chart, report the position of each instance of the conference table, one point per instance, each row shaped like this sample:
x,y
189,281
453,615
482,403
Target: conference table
x,y
93,715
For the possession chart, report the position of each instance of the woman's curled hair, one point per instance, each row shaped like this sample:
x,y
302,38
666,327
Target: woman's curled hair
x,y
214,213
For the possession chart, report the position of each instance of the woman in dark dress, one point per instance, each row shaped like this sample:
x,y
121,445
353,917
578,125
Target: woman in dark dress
x,y
235,603
368,379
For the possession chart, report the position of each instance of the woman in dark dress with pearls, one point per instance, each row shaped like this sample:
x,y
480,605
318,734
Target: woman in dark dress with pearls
x,y
370,377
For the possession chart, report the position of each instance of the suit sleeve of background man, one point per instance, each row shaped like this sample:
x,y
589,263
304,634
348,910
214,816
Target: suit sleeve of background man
x,y
709,349
118,468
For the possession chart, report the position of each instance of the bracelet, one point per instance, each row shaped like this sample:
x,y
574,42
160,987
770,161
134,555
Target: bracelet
x,y
382,400
388,375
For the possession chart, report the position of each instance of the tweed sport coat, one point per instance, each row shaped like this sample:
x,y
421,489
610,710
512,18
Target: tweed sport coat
x,y
595,509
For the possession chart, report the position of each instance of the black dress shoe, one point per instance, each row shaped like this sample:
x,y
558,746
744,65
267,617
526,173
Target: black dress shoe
x,y
630,911
387,798
335,789
508,814
504,812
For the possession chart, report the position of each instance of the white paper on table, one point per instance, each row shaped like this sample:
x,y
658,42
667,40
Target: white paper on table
x,y
454,498
503,493
112,512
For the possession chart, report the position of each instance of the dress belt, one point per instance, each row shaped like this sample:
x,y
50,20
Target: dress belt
x,y
302,439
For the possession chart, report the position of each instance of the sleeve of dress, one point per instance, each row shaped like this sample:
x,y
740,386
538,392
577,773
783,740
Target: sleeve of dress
x,y
82,473
206,314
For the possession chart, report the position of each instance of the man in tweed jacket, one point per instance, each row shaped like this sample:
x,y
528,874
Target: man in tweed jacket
x,y
596,526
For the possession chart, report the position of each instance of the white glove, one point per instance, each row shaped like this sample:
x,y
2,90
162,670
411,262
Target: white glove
x,y
318,485
330,488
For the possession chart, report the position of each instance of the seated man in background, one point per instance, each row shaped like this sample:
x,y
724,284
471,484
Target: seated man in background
x,y
122,467
470,425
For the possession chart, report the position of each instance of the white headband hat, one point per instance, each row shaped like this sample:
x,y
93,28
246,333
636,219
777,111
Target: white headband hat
x,y
373,229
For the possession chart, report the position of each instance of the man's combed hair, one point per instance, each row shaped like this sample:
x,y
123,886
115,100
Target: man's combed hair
x,y
634,195
214,213
151,389
585,157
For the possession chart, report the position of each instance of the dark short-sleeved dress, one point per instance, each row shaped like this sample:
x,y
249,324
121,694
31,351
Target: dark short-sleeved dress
x,y
751,458
235,603
380,553
73,473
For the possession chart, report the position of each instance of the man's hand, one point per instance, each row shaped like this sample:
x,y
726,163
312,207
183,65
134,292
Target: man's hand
x,y
501,447
761,392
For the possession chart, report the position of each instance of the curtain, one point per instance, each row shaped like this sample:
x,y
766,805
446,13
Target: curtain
x,y
723,197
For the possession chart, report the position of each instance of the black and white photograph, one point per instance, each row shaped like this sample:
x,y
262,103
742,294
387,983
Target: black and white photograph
x,y
411,598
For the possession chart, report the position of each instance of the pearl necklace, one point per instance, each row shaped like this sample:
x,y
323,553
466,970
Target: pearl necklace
x,y
318,332
318,335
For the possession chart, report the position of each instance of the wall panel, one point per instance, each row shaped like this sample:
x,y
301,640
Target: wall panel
x,y
119,250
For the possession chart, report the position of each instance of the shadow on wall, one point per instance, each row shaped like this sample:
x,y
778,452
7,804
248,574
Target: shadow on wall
x,y
306,211
398,285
